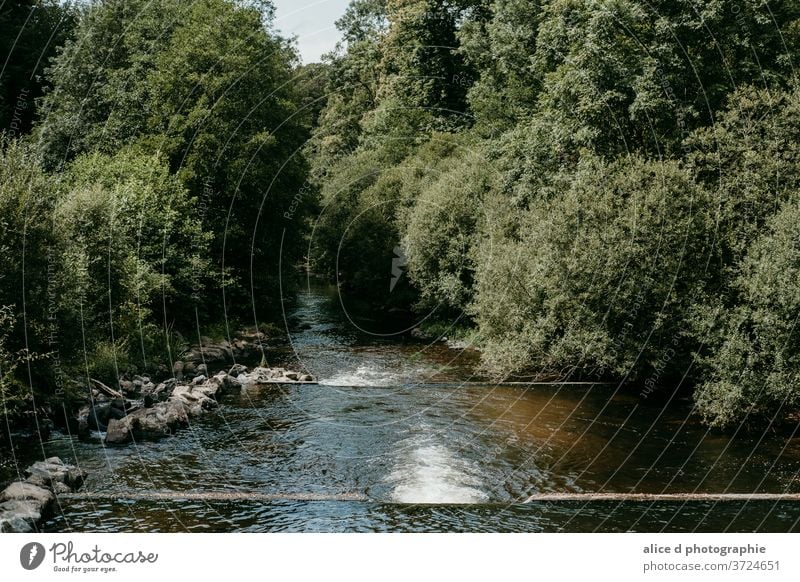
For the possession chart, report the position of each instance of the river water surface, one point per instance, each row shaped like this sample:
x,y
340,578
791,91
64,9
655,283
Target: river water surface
x,y
403,436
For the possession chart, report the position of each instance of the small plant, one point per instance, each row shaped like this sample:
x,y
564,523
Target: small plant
x,y
15,398
108,360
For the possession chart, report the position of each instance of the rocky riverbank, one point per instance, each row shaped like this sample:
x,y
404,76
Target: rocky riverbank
x,y
24,503
144,410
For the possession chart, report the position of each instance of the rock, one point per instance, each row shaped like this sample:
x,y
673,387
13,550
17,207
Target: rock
x,y
419,334
163,418
195,399
23,503
128,388
38,497
18,516
54,470
118,432
197,380
177,369
98,416
164,390
237,369
271,376
61,488
230,383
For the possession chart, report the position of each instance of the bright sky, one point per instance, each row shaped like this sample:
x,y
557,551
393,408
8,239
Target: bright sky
x,y
312,22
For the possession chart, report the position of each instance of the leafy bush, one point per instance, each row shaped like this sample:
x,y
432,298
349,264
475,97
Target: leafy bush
x,y
27,245
442,230
133,255
599,279
753,372
16,401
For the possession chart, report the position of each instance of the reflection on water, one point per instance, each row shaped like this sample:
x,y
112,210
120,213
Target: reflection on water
x,y
396,421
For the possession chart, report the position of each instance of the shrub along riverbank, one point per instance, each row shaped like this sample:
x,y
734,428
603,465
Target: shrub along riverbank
x,y
602,190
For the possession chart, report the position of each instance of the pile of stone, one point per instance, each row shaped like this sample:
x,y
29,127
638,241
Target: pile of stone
x,y
24,503
247,345
144,410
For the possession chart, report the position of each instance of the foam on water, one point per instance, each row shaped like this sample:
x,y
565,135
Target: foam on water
x,y
432,473
371,376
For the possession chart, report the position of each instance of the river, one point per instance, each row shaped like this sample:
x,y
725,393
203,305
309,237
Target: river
x,y
403,436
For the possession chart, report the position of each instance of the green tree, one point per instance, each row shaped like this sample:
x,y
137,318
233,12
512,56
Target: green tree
x,y
208,84
753,372
599,279
27,199
32,31
133,255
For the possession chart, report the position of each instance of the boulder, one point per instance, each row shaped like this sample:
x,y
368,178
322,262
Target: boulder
x,y
128,388
61,488
18,516
163,391
195,399
54,470
98,416
237,369
23,503
118,432
157,421
271,376
177,370
38,497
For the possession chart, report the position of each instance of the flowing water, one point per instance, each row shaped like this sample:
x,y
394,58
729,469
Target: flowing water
x,y
403,436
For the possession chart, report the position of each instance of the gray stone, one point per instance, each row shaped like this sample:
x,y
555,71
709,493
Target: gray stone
x,y
38,497
18,516
157,421
61,488
54,470
118,432
237,370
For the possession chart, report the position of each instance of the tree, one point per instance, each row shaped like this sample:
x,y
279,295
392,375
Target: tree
x,y
32,32
133,258
597,280
208,84
753,372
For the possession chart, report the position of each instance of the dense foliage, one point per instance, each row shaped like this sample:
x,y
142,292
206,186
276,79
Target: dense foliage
x,y
603,189
31,31
159,191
